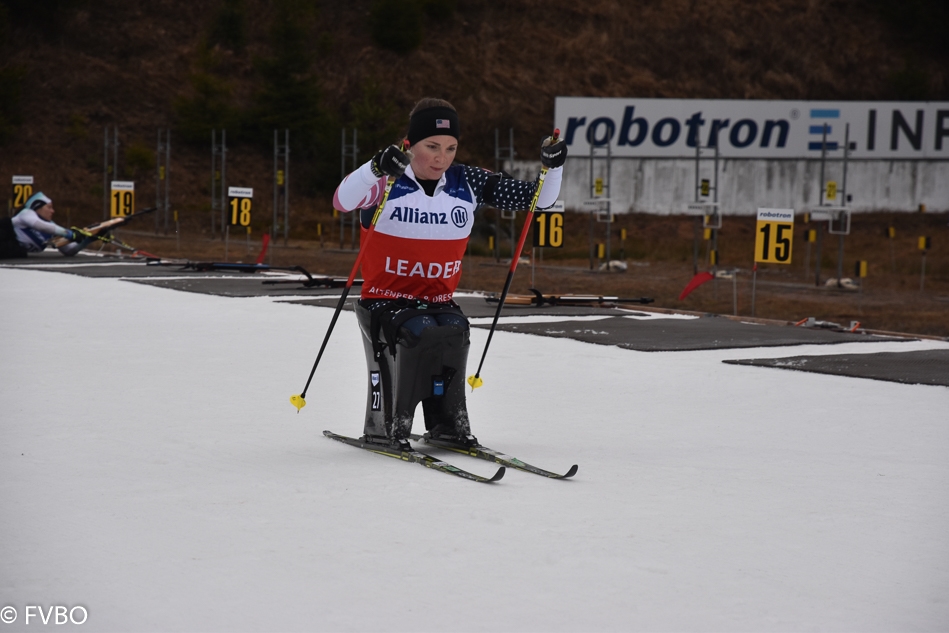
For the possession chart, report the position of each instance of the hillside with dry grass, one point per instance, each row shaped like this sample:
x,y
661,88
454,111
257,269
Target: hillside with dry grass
x,y
72,67
75,66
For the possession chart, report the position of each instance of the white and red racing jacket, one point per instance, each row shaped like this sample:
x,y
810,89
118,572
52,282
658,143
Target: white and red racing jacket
x,y
420,240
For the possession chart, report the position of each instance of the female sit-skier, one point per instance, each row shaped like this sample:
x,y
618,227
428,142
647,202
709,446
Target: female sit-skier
x,y
415,336
32,229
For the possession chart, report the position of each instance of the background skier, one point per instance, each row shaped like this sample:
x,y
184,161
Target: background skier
x,y
32,229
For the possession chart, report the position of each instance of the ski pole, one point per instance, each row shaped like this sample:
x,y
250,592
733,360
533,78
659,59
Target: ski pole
x,y
298,400
475,379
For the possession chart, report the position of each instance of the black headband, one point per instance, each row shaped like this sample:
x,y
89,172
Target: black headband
x,y
433,122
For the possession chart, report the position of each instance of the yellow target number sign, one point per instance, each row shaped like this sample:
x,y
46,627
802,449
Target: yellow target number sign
x,y
240,201
22,190
122,199
774,236
548,229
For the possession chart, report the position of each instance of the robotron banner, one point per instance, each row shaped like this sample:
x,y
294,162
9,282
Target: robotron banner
x,y
671,128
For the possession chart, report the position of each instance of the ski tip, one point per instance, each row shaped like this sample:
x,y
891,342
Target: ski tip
x,y
570,473
498,475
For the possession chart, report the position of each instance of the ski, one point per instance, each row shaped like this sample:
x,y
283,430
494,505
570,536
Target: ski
x,y
539,299
311,281
105,238
491,455
102,230
415,456
314,282
114,241
116,222
203,267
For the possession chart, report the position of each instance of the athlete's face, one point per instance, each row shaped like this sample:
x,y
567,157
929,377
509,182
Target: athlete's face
x,y
46,211
433,155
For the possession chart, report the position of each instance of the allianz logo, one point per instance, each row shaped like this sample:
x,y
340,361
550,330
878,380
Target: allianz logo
x,y
458,216
415,216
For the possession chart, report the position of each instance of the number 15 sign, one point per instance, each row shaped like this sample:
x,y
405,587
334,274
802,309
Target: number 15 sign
x,y
774,235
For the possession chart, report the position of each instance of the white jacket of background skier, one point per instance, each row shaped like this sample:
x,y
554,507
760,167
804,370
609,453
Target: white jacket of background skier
x,y
34,232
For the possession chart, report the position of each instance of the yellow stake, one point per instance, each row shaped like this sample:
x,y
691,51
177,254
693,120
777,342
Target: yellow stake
x,y
298,402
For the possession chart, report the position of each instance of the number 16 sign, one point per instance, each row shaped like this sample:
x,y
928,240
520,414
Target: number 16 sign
x,y
774,235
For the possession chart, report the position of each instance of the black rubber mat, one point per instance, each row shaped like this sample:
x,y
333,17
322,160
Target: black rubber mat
x,y
477,307
54,259
130,269
107,266
237,285
680,335
174,276
926,367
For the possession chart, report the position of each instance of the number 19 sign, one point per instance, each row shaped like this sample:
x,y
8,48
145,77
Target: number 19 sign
x,y
774,235
123,199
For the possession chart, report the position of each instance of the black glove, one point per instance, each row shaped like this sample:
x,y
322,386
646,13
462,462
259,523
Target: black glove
x,y
389,162
77,234
553,152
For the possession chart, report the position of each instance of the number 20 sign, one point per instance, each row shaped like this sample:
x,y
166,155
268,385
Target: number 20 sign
x,y
22,190
774,235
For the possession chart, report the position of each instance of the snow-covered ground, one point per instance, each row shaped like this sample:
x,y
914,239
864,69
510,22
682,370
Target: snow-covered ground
x,y
153,472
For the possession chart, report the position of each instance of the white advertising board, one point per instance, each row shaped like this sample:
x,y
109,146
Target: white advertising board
x,y
240,192
671,128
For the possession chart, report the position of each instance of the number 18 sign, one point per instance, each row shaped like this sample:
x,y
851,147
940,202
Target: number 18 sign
x,y
240,200
774,235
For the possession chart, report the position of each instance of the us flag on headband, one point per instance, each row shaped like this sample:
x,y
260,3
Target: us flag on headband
x,y
442,123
